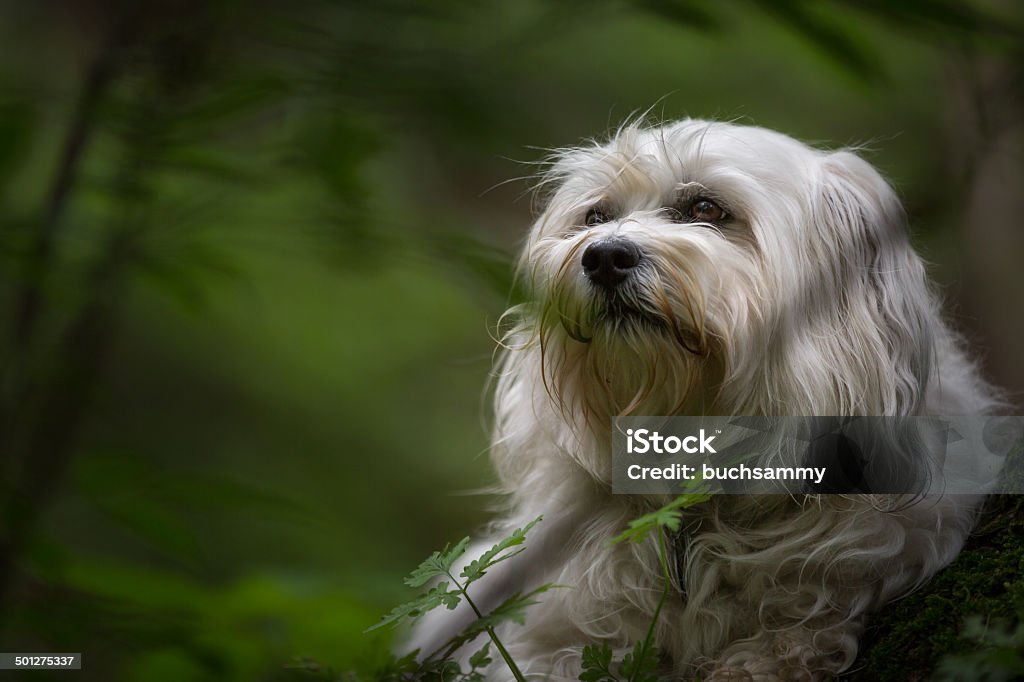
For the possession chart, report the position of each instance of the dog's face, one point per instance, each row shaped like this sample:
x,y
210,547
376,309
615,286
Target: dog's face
x,y
709,267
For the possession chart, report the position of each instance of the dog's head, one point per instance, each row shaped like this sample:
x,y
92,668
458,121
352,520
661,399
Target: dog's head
x,y
705,267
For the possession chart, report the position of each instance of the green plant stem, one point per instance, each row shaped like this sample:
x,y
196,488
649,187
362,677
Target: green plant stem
x,y
516,672
649,638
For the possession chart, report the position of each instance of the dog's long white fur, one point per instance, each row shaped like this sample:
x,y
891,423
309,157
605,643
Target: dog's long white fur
x,y
809,301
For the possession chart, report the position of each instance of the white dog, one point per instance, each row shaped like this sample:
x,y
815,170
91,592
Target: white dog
x,y
705,268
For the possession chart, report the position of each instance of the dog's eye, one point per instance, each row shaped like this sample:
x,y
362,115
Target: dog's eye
x,y
703,210
596,215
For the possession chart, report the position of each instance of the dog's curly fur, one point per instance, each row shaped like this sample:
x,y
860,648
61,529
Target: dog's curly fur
x,y
806,299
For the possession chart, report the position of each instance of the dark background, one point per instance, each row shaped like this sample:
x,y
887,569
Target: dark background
x,y
252,254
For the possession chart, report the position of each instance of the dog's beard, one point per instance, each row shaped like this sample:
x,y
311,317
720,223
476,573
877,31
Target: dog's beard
x,y
652,345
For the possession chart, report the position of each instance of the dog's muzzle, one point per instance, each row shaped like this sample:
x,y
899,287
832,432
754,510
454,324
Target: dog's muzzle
x,y
610,262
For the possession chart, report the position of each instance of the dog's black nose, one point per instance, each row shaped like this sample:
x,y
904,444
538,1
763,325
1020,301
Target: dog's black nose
x,y
610,261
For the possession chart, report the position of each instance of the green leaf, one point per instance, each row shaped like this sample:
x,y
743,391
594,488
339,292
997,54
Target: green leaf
x,y
512,610
434,597
478,567
438,564
481,659
440,671
640,665
596,664
669,517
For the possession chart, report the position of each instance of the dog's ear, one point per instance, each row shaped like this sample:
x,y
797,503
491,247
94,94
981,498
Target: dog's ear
x,y
884,311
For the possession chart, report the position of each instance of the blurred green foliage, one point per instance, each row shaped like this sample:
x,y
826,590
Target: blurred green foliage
x,y
250,254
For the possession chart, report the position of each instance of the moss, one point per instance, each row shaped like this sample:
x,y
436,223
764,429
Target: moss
x,y
906,640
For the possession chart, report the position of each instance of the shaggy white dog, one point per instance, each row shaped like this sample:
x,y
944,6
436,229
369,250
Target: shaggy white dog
x,y
704,268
